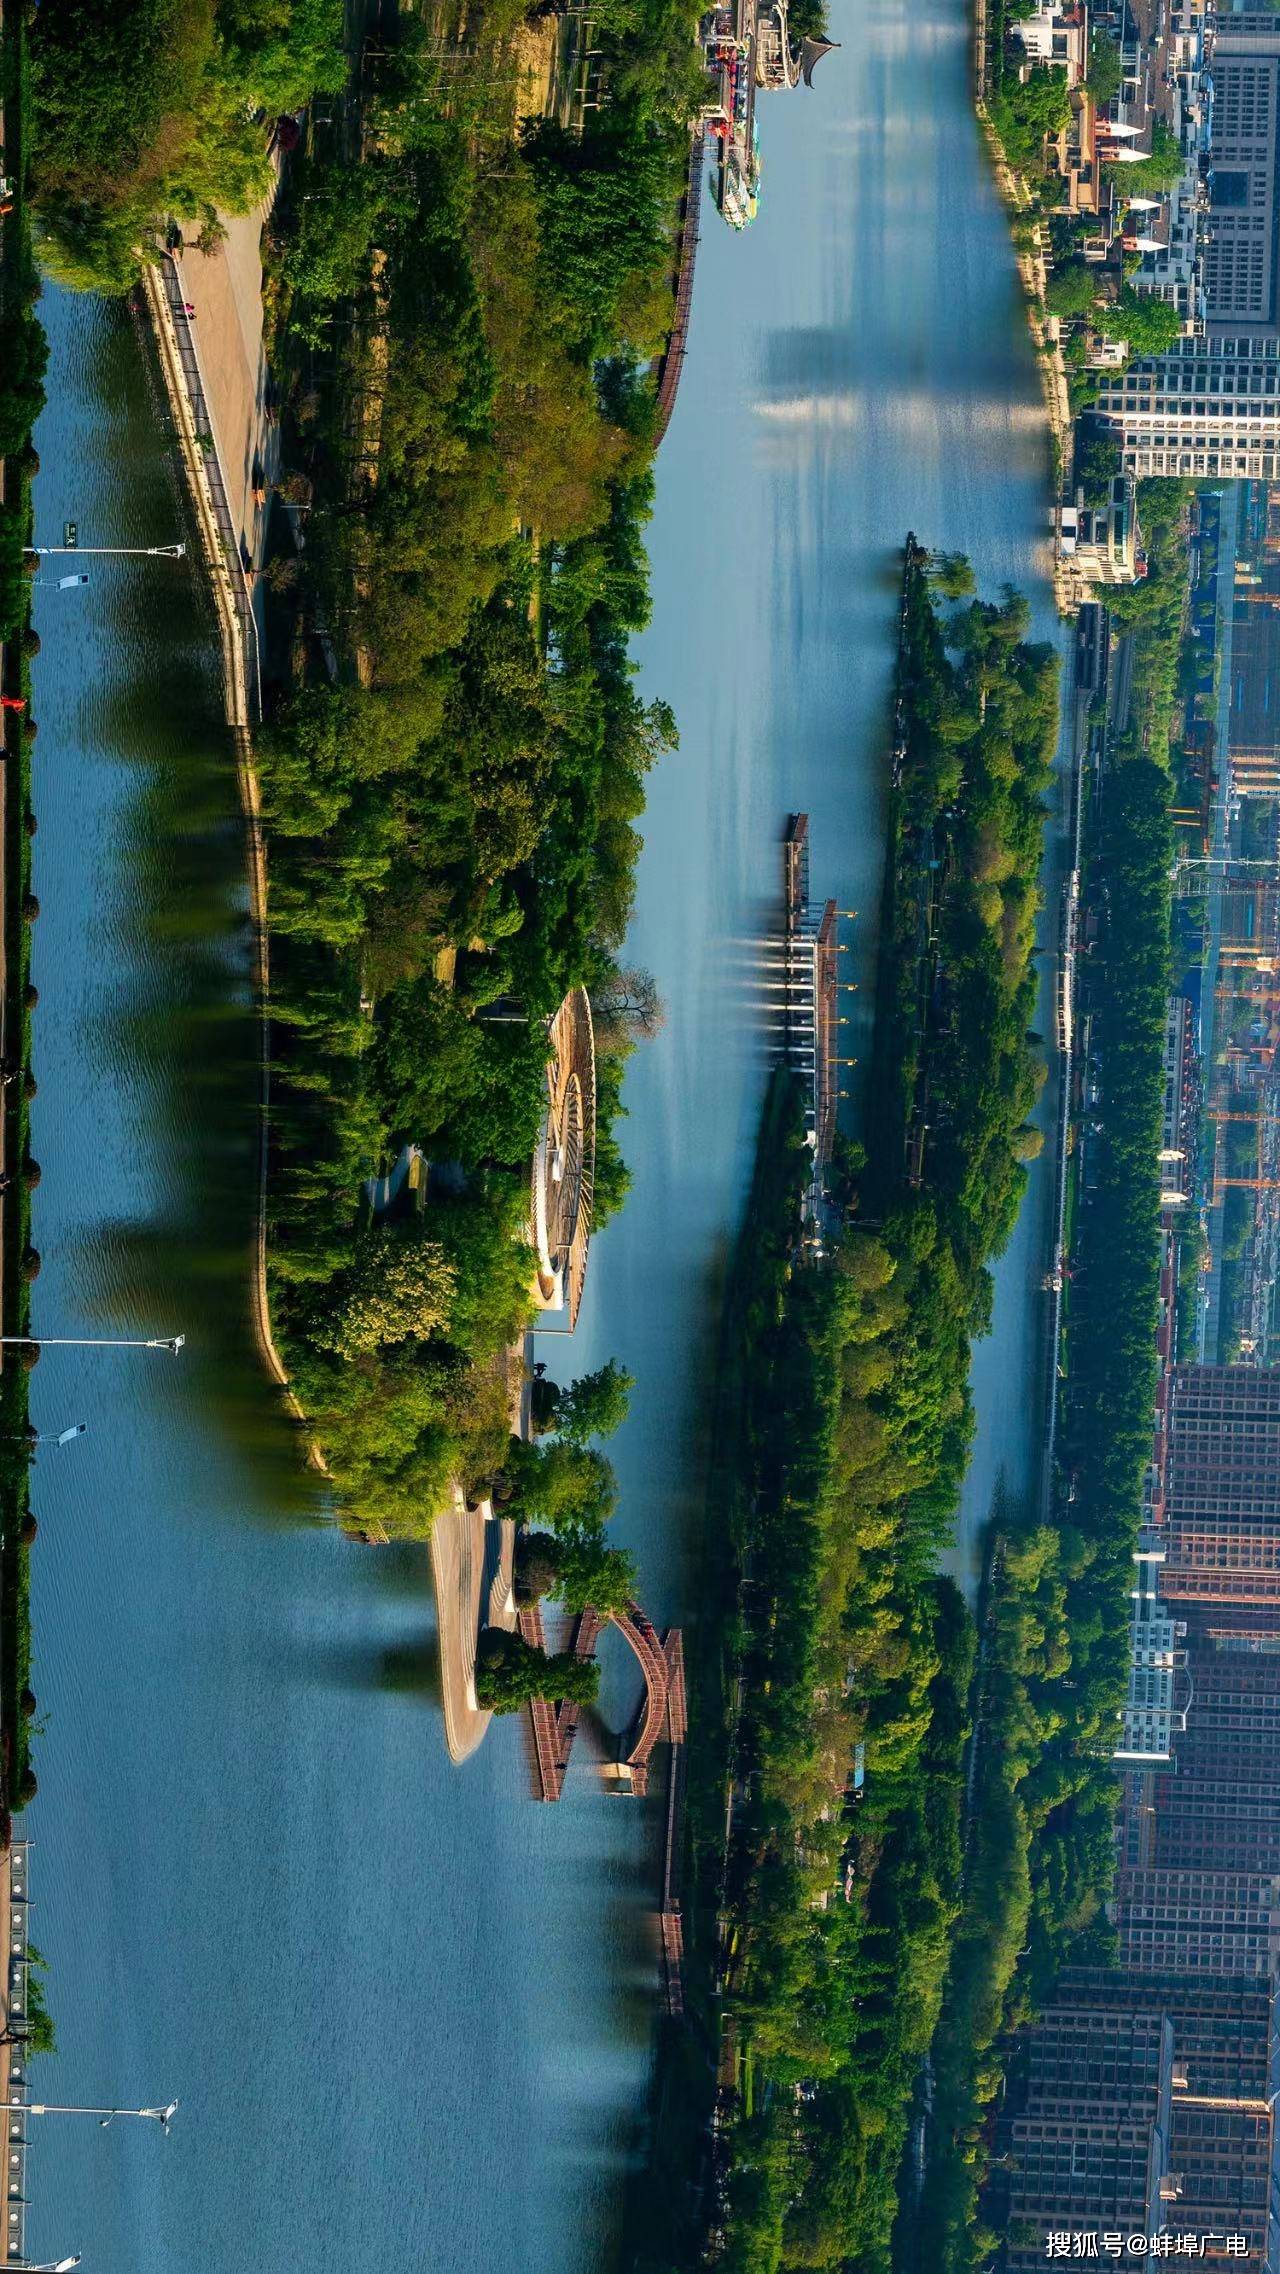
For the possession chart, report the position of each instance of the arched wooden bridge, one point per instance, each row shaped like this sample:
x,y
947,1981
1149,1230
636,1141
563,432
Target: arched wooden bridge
x,y
663,1711
663,1707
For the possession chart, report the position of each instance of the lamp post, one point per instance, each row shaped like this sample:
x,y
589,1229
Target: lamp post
x,y
112,552
172,1342
161,2116
34,1437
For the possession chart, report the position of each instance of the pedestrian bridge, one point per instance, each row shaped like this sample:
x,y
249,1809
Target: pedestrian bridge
x,y
663,1707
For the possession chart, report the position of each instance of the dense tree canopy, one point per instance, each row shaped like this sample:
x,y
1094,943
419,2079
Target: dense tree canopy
x,y
844,1435
119,145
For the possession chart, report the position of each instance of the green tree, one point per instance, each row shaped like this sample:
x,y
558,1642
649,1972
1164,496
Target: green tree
x,y
537,1565
148,107
510,1671
1105,76
593,1406
1097,462
577,1566
603,196
1072,289
44,2038
400,1288
1148,326
1028,110
952,573
561,1484
1153,175
286,50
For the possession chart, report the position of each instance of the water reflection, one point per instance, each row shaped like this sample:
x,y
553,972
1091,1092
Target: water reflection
x,y
406,2009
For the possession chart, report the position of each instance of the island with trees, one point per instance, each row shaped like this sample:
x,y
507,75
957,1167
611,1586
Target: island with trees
x,y
831,1707
920,1809
462,330
1041,1854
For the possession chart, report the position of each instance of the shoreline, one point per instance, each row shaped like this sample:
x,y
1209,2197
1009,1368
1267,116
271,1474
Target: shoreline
x,y
1068,591
236,682
462,1559
19,1261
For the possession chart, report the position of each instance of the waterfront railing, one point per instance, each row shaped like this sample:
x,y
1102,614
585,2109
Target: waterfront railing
x,y
227,532
17,2010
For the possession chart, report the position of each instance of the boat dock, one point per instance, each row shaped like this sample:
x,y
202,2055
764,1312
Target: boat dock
x,y
809,959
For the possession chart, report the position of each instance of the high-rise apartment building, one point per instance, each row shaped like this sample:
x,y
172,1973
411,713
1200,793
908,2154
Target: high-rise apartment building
x,y
1207,409
1217,1803
1222,1529
1215,1822
1087,2128
1143,2101
1144,2104
1198,1921
1155,1699
1240,264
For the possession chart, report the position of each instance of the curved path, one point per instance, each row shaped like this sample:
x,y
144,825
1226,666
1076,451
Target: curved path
x,y
554,1727
237,632
671,361
472,1590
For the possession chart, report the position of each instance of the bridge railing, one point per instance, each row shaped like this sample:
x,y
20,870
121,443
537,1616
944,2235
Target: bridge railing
x,y
213,469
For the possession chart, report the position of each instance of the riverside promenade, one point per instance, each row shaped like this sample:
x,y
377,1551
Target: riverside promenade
x,y
181,371
14,2005
224,287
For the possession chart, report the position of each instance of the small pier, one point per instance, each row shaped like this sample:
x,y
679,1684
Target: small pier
x,y
804,976
670,363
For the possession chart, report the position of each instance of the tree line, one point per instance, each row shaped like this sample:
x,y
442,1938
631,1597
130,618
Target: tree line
x,y
452,819
831,1720
1041,1857
460,330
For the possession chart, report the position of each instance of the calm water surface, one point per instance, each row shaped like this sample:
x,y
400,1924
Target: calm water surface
x,y
407,2011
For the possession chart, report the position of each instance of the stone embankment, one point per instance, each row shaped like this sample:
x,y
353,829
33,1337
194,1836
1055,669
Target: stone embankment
x,y
237,632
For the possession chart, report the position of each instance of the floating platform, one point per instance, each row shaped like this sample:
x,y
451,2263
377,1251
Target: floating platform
x,y
811,952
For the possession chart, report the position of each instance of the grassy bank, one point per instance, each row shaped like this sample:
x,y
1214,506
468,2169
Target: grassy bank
x,y
21,396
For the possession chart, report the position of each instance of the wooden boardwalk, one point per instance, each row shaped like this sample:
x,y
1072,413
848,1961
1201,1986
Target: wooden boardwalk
x,y
671,361
552,1729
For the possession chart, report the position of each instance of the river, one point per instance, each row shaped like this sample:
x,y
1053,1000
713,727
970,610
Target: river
x,y
406,2011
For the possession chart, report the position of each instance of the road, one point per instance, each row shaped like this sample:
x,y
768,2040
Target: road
x,y
1219,845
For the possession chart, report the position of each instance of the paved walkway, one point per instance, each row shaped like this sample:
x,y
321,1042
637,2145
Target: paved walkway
x,y
14,1998
224,287
472,1557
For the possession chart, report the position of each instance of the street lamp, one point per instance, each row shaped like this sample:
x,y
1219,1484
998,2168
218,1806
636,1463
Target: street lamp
x,y
173,1342
115,552
34,1437
161,2116
57,1436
